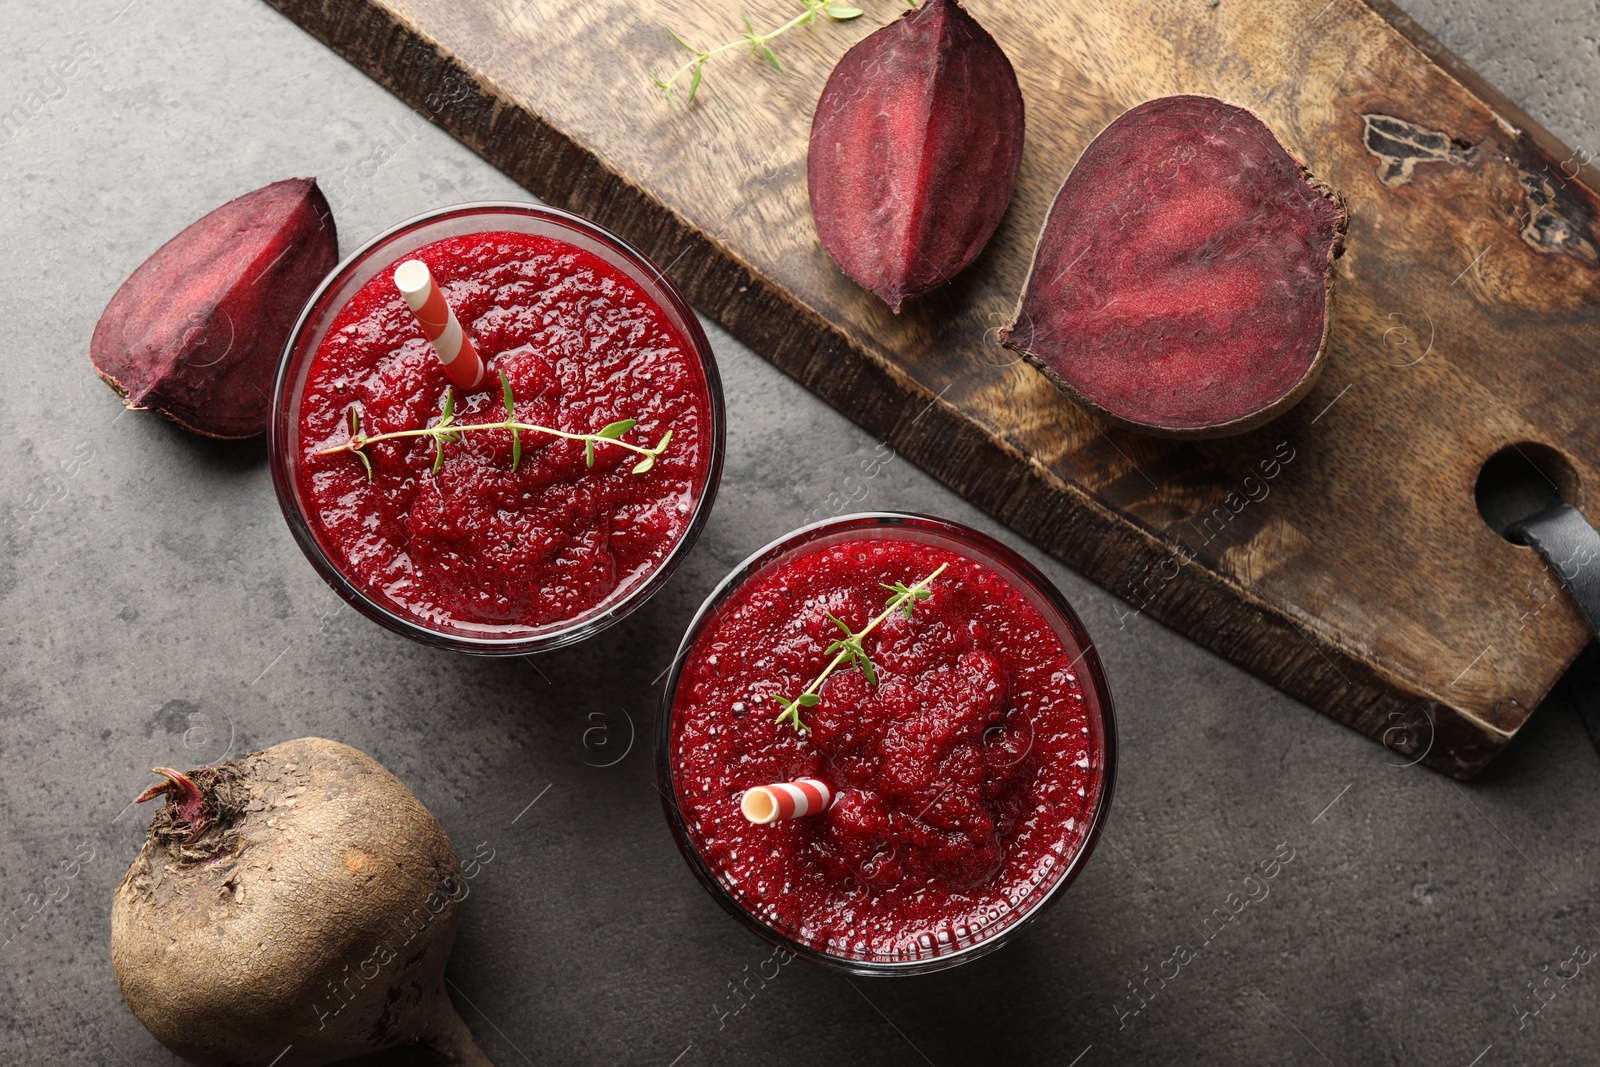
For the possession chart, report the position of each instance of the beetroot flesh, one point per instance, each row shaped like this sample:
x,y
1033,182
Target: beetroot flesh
x,y
914,151
291,908
1180,285
196,331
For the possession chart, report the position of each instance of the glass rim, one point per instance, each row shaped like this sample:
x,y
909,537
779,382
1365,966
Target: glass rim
x,y
964,535
583,626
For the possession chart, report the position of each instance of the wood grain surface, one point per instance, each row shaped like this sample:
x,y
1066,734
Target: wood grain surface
x,y
1337,552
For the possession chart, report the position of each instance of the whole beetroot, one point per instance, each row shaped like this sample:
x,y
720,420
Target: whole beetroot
x,y
292,907
196,331
914,151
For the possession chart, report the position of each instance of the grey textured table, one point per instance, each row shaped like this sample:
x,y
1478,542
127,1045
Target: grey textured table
x,y
157,612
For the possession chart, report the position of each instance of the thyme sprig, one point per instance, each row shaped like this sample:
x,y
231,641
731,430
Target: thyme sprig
x,y
447,430
848,650
757,43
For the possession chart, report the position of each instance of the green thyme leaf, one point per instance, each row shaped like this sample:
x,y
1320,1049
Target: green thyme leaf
x,y
791,710
865,664
618,428
904,597
790,713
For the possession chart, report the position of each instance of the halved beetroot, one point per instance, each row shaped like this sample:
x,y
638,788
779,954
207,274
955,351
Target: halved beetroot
x,y
196,331
914,151
1180,285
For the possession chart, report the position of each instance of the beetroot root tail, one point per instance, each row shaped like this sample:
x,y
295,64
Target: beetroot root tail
x,y
449,1040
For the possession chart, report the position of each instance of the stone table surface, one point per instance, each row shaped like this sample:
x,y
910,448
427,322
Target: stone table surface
x,y
157,612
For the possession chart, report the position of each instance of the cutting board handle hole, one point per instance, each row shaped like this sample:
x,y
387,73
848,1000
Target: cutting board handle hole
x,y
1521,480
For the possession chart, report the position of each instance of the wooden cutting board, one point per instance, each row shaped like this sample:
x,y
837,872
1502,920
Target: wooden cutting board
x,y
1338,552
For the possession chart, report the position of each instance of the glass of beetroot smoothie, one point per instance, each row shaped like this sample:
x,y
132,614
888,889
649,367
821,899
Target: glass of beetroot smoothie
x,y
475,541
956,759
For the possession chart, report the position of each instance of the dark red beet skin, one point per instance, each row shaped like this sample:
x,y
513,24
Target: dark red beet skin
x,y
196,331
1180,285
914,151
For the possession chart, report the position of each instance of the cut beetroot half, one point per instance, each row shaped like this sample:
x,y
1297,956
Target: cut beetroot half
x,y
196,331
914,151
1180,285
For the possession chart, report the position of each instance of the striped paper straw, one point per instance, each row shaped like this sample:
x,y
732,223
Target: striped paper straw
x,y
461,361
786,800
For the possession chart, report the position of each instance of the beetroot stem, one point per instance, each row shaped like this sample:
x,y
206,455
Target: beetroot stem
x,y
180,790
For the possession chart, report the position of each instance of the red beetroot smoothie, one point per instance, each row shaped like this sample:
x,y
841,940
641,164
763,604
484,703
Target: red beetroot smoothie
x,y
968,778
476,546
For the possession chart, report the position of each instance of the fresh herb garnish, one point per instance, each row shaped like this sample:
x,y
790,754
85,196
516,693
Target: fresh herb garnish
x,y
447,430
757,43
848,650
